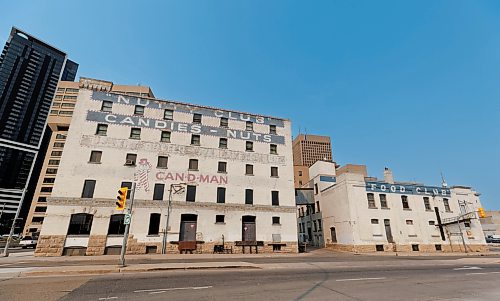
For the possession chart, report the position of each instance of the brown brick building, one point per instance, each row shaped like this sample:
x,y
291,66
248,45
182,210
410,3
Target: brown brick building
x,y
307,149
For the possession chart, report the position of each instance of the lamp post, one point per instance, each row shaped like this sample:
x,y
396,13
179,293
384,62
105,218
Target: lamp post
x,y
178,188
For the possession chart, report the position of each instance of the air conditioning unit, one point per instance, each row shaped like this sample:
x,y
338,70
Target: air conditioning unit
x,y
129,162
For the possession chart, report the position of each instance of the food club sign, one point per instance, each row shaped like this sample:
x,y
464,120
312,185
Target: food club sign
x,y
407,189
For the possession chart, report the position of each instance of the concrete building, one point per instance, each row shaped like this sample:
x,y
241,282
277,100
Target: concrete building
x,y
58,121
349,211
227,175
307,149
29,72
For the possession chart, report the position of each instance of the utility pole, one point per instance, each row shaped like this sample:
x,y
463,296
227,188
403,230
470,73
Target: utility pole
x,y
169,209
127,226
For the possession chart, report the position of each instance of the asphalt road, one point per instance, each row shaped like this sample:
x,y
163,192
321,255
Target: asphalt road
x,y
420,280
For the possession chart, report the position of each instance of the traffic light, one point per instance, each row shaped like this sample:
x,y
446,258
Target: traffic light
x,y
481,212
121,198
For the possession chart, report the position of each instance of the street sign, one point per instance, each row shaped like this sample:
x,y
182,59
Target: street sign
x,y
126,220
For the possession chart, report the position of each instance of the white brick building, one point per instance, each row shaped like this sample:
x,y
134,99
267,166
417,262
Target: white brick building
x,y
352,212
235,170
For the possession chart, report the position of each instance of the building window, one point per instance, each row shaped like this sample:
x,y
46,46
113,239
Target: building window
x,y
67,105
51,171
196,118
300,173
249,146
165,136
249,170
432,223
446,205
154,224
80,224
317,206
249,126
95,157
168,114
158,192
383,201
371,200
414,248
129,186
65,112
272,129
49,180
116,224
46,189
222,142
135,133
191,193
248,196
275,200
219,219
273,149
276,220
300,183
224,122
53,162
404,201
193,164
319,225
107,106
61,136
59,144
427,204
88,189
195,139
56,153
409,222
374,221
221,195
130,159
102,129
162,162
274,171
316,190
41,209
42,199
221,166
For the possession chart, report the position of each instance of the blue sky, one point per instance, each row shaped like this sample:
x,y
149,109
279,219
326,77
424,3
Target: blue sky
x,y
411,85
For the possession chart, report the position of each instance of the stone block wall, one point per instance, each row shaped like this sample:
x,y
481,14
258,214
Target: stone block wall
x,y
50,245
423,248
96,246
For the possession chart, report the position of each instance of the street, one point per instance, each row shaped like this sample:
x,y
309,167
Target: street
x,y
318,276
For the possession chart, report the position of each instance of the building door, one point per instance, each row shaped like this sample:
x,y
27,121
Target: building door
x,y
333,233
388,232
248,228
188,227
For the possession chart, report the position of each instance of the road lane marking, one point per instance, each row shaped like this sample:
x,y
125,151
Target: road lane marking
x,y
467,268
108,298
484,273
360,279
162,290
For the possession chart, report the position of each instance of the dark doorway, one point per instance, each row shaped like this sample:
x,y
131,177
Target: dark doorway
x,y
248,228
388,231
188,227
309,234
333,233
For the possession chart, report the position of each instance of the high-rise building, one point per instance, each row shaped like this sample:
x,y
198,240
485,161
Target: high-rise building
x,y
307,150
59,121
29,72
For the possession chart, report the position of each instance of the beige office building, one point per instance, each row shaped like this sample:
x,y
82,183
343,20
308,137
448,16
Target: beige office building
x,y
58,122
307,150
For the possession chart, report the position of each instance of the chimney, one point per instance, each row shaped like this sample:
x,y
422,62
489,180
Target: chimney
x,y
388,178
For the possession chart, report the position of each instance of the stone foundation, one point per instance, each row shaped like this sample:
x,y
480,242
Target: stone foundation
x,y
96,246
50,245
427,248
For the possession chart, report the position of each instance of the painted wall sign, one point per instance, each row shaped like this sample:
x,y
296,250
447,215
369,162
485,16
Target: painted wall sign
x,y
190,177
182,150
160,124
408,189
185,108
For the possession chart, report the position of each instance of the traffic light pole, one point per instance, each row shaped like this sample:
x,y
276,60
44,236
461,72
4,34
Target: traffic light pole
x,y
127,226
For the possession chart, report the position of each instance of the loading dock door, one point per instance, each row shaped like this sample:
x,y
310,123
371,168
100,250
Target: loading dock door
x,y
388,231
248,228
188,227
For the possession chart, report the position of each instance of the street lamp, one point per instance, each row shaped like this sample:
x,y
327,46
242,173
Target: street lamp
x,y
174,189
